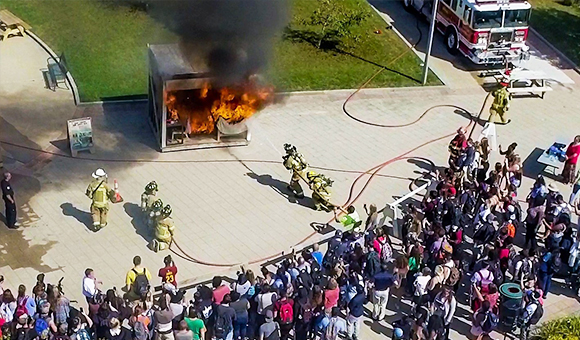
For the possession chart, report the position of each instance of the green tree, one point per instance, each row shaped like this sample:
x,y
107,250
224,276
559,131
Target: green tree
x,y
334,21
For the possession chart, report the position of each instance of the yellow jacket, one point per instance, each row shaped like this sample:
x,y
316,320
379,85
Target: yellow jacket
x,y
99,192
164,229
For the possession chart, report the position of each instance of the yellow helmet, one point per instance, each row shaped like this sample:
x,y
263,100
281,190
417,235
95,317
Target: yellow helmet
x,y
311,174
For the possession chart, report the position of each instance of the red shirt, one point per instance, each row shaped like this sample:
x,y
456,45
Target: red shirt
x,y
219,293
573,152
331,298
168,275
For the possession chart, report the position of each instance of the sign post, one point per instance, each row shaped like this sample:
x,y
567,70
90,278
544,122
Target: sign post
x,y
430,41
80,135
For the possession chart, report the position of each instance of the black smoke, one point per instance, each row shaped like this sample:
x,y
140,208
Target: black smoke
x,y
231,38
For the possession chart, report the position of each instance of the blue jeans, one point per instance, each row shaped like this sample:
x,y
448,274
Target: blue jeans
x,y
545,282
240,327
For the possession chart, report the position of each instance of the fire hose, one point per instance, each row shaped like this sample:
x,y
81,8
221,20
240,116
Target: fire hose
x,y
350,200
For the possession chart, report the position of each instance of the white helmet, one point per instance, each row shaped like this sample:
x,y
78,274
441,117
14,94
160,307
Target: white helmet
x,y
99,173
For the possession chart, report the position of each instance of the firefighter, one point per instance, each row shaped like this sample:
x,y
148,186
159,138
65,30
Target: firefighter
x,y
147,199
155,213
320,186
99,192
164,230
501,103
295,162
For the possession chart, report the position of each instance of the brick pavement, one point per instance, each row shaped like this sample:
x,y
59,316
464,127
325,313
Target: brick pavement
x,y
228,207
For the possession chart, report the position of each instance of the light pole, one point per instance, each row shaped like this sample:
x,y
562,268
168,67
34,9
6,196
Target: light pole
x,y
430,41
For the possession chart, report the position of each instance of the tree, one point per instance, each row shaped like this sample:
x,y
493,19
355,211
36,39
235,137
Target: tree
x,y
335,21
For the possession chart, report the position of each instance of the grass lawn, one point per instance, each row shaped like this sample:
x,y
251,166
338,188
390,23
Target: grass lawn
x,y
106,49
559,24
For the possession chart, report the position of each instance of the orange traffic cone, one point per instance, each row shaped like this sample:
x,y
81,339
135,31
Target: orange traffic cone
x,y
117,198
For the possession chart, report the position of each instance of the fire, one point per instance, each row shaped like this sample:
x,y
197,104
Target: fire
x,y
200,109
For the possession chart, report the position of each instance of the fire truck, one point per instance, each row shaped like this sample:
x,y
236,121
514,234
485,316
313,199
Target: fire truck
x,y
485,31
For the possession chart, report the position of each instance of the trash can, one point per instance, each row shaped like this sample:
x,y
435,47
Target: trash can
x,y
510,305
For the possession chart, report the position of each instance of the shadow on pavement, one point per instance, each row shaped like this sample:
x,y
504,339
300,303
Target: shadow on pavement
x,y
83,217
134,211
281,188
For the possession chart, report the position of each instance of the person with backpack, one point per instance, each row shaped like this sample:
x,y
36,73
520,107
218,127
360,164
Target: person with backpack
x,y
372,263
355,313
550,264
269,330
284,315
303,314
532,313
484,321
225,316
81,326
25,302
483,236
444,306
523,269
137,281
382,245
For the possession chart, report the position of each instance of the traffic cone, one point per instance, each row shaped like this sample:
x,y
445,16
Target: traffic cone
x,y
117,198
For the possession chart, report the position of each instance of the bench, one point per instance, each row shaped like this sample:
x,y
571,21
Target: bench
x,y
526,81
57,72
11,24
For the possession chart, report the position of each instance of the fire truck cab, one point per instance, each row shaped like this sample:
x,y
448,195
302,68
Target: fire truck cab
x,y
485,31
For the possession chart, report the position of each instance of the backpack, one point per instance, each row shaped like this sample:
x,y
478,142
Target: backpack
x,y
454,277
373,264
556,262
525,270
286,313
141,284
497,274
537,314
386,251
140,332
511,230
83,334
221,327
22,306
306,312
490,322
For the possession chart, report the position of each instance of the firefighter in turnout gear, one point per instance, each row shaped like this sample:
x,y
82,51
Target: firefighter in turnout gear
x,y
295,162
99,192
155,213
164,230
320,186
501,103
147,199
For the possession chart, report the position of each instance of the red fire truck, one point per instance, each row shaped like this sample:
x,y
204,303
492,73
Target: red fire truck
x,y
485,31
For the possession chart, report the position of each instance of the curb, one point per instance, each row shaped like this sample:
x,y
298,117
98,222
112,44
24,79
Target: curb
x,y
69,78
101,102
558,52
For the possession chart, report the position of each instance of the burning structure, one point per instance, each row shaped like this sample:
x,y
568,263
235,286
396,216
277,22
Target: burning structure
x,y
188,110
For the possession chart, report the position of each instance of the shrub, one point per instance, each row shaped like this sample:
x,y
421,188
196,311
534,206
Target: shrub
x,y
567,328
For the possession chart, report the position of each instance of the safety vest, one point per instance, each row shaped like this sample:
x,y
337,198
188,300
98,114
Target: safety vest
x,y
101,196
164,229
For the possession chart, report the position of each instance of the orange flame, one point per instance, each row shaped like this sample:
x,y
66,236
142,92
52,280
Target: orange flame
x,y
200,109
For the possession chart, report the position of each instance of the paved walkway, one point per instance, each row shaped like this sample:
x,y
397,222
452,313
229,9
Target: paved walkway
x,y
30,114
